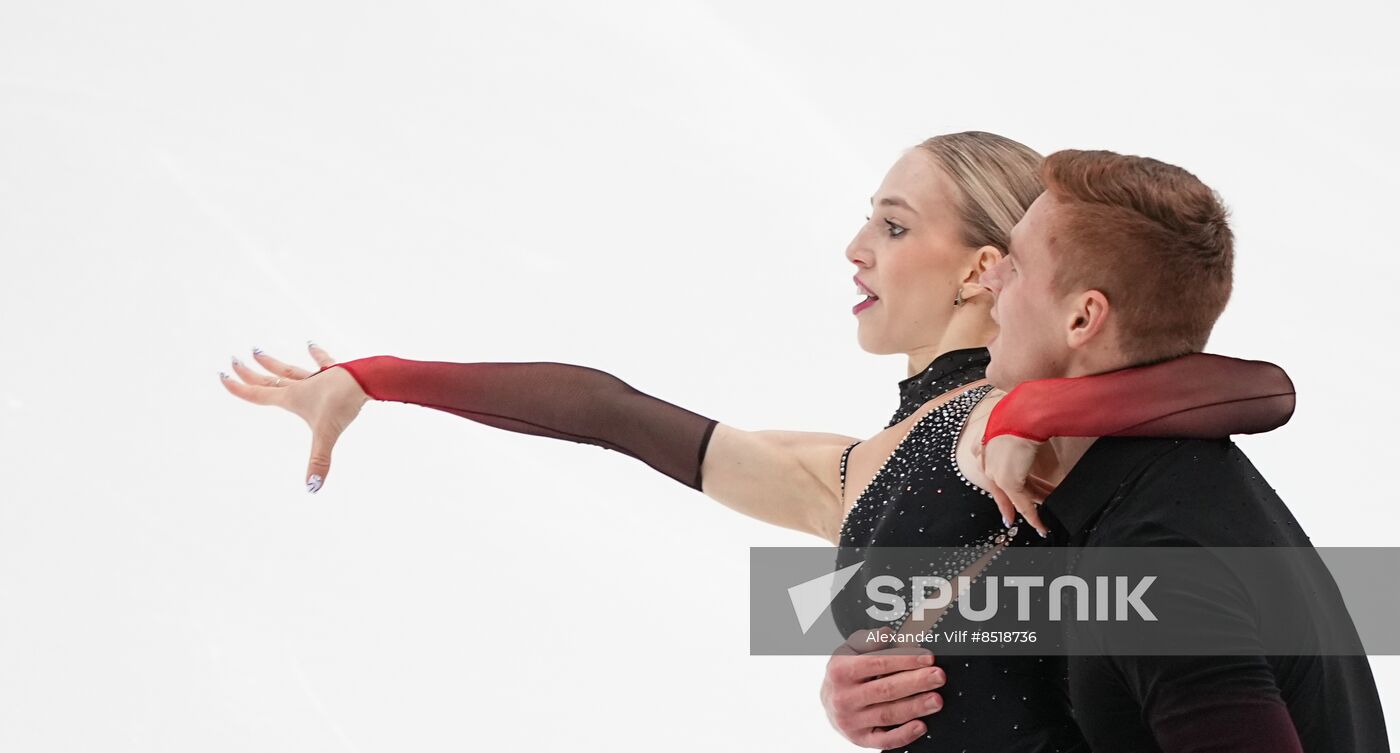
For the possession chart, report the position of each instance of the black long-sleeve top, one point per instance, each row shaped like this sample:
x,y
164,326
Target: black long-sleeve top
x,y
1128,492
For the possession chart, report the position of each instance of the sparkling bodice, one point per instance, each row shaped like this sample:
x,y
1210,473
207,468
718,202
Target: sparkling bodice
x,y
920,497
925,458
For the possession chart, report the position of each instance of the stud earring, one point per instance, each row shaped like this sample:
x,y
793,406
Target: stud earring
x,y
959,300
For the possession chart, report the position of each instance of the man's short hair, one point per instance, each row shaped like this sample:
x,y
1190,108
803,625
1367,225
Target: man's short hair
x,y
1151,237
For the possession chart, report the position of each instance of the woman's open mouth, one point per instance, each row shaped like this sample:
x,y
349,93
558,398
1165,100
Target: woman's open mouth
x,y
870,297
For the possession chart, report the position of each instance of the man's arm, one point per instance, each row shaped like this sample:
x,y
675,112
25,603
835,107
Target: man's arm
x,y
876,697
1194,704
1188,704
1199,601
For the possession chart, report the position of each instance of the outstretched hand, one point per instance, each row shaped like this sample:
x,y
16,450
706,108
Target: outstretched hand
x,y
328,402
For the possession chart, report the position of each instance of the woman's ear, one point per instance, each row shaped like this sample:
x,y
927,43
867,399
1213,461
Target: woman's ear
x,y
984,259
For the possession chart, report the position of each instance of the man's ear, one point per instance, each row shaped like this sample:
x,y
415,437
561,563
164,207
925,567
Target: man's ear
x,y
1088,319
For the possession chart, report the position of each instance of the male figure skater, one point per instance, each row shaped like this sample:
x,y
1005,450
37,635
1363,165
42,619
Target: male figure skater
x,y
1125,261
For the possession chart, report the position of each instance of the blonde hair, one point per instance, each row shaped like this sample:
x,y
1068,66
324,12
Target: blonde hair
x,y
996,179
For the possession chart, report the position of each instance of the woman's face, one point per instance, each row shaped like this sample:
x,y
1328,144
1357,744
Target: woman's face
x,y
910,256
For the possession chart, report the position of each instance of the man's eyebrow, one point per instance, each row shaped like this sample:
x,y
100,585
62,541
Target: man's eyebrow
x,y
893,201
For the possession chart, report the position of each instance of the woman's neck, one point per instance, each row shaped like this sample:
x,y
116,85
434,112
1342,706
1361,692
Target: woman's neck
x,y
971,327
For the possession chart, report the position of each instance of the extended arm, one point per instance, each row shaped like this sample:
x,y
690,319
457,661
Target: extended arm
x,y
785,478
554,400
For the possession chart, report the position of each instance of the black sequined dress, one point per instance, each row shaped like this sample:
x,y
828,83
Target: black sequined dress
x,y
920,498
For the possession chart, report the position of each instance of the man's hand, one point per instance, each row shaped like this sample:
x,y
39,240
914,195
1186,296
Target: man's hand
x,y
874,698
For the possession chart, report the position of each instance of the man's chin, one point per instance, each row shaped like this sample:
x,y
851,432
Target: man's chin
x,y
994,374
992,371
1001,378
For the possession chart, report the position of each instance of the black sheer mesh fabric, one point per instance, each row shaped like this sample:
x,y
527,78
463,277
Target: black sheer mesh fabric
x,y
556,400
1200,395
1195,396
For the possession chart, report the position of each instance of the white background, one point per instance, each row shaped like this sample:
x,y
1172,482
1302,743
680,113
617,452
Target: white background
x,y
661,190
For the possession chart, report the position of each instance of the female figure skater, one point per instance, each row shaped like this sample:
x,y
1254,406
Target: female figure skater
x,y
940,220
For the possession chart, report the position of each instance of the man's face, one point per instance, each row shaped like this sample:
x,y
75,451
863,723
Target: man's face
x,y
1031,343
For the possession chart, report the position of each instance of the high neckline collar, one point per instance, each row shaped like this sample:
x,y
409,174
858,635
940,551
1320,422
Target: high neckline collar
x,y
946,372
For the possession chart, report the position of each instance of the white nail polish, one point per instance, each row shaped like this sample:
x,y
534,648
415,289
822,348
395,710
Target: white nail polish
x,y
313,484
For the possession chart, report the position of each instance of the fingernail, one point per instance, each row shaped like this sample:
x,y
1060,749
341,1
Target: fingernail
x,y
313,484
257,351
237,362
933,703
1006,520
222,375
1042,533
310,344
